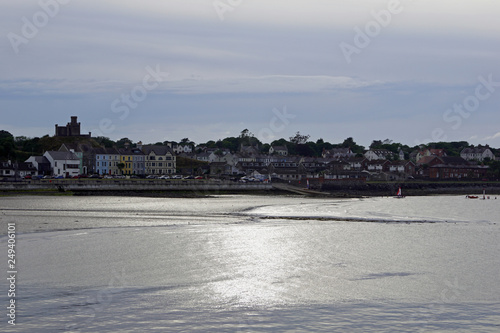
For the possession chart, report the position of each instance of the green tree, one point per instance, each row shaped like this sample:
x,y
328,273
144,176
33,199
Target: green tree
x,y
299,139
121,143
105,141
7,145
121,166
350,143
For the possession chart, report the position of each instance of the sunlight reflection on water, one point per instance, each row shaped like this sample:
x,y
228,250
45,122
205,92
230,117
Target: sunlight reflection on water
x,y
245,272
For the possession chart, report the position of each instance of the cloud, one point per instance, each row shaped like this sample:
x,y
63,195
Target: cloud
x,y
266,85
249,85
492,137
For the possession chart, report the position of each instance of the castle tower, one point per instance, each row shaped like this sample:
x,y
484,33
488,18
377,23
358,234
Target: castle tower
x,y
71,129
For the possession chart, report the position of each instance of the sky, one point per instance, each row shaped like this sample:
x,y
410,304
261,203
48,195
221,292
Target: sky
x,y
409,71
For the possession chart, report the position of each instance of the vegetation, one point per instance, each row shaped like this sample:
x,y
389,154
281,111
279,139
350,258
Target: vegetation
x,y
21,147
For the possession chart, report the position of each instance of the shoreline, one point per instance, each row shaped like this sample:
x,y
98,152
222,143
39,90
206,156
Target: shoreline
x,y
341,189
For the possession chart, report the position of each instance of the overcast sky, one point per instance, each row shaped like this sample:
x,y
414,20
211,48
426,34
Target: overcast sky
x,y
411,71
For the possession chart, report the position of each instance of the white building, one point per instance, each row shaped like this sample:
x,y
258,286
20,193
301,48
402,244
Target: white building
x,y
478,153
378,154
62,163
280,150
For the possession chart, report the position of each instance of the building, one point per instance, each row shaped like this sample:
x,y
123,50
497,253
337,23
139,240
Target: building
x,y
84,151
379,165
9,169
402,167
451,168
62,163
429,152
106,161
478,153
378,154
180,148
279,150
138,162
41,163
71,129
159,160
338,153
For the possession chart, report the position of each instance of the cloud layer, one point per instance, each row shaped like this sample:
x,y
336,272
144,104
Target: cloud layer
x,y
230,67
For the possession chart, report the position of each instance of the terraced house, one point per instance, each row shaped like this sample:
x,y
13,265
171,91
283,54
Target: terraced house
x,y
106,161
126,160
159,160
138,162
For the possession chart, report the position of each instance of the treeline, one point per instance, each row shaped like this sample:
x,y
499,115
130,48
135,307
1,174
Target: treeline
x,y
21,147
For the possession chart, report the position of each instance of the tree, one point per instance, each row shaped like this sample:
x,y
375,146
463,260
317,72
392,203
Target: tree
x,y
494,170
121,166
7,145
245,133
299,139
121,143
186,142
104,141
5,135
247,138
376,144
305,150
211,144
349,143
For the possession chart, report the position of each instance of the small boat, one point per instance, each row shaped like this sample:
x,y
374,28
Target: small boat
x,y
472,197
399,195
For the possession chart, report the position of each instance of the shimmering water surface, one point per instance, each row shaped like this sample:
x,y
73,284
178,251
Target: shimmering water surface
x,y
254,264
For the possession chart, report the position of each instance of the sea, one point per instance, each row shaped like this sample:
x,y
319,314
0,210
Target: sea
x,y
252,263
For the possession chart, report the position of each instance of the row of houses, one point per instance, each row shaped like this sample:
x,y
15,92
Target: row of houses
x,y
336,164
77,159
479,153
83,158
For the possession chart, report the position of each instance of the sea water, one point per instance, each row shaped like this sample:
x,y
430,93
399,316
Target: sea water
x,y
253,264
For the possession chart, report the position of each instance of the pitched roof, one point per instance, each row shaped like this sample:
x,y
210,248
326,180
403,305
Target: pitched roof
x,y
437,152
157,149
426,159
106,151
40,159
454,160
381,151
62,155
400,162
474,150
